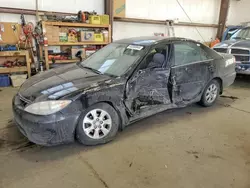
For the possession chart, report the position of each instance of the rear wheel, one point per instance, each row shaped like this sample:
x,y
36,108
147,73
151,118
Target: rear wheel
x,y
97,125
210,94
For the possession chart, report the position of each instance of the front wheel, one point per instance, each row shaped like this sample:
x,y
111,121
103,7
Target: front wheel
x,y
97,125
210,94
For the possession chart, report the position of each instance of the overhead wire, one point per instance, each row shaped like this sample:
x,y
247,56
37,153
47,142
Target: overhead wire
x,y
190,19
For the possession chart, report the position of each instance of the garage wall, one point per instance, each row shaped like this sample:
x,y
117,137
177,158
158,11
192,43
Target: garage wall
x,y
238,12
126,30
200,11
72,6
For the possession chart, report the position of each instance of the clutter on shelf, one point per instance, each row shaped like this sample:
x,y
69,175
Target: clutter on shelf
x,y
56,34
69,39
14,68
27,49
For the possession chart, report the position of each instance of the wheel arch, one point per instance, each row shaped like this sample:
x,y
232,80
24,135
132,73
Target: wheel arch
x,y
120,111
220,82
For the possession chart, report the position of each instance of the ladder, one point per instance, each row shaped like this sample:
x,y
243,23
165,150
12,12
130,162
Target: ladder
x,y
170,28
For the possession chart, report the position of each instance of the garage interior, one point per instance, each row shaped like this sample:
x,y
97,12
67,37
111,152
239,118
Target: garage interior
x,y
188,147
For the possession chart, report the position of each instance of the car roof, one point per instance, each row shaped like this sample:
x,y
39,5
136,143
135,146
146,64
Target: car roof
x,y
151,40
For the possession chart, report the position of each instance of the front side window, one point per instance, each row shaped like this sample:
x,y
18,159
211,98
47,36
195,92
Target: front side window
x,y
156,57
188,52
114,59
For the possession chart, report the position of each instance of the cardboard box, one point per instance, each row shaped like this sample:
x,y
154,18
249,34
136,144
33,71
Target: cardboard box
x,y
75,50
64,30
86,36
52,30
55,39
52,38
52,33
119,8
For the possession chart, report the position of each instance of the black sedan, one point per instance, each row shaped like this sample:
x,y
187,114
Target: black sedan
x,y
123,82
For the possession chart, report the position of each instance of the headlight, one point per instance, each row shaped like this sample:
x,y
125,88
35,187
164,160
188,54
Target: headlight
x,y
47,107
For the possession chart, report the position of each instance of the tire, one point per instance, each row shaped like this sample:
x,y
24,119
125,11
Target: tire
x,y
97,125
210,94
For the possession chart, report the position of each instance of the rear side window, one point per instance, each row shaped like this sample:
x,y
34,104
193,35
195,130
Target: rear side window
x,y
188,52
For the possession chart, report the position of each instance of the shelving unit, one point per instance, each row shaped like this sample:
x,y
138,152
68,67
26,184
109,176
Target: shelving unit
x,y
26,68
76,43
66,61
71,25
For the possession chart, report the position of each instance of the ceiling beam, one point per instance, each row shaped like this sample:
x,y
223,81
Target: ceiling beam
x,y
224,8
163,22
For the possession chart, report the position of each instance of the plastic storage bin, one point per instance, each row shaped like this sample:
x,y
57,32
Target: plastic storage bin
x,y
18,80
98,37
94,19
4,81
104,19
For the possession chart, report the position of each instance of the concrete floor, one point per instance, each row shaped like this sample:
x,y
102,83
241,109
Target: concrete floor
x,y
193,147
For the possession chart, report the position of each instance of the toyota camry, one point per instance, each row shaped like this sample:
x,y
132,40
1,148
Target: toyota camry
x,y
123,82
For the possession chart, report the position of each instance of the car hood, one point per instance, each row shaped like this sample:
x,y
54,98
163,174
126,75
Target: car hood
x,y
234,43
58,82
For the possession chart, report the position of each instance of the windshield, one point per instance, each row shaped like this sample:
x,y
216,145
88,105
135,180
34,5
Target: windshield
x,y
114,59
242,34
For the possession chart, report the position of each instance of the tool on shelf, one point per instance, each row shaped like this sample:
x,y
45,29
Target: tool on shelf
x,y
27,35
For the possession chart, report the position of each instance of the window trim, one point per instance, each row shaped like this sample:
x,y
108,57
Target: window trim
x,y
196,62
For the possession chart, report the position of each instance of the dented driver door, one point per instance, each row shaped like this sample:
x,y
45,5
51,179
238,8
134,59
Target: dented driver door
x,y
147,88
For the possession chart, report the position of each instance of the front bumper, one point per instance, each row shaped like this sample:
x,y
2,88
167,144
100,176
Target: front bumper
x,y
242,68
55,129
